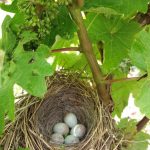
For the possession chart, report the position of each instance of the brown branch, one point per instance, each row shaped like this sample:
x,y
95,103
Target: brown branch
x,y
141,124
87,48
120,80
125,79
66,49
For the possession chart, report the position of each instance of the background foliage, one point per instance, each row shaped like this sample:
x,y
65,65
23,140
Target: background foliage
x,y
27,45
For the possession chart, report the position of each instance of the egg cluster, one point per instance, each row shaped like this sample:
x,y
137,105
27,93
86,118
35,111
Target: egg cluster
x,y
68,132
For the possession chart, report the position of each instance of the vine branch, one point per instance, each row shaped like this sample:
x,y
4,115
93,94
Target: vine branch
x,y
141,124
121,80
87,48
66,49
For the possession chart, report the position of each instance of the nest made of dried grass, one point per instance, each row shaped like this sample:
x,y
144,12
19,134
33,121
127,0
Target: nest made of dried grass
x,y
67,92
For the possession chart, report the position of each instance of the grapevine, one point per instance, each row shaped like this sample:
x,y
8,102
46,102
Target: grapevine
x,y
44,36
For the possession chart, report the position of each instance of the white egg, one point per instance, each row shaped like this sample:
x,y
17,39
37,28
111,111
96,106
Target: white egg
x,y
70,119
78,131
70,139
57,138
61,128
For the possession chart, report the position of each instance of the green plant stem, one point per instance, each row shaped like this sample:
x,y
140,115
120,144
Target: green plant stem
x,y
87,49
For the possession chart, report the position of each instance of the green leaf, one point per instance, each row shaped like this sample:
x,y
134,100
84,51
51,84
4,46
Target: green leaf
x,y
140,52
137,56
65,25
140,55
70,60
142,97
31,69
117,34
2,116
126,7
8,37
10,8
63,43
120,92
6,104
36,85
2,54
144,38
43,51
26,37
103,10
17,21
140,142
127,126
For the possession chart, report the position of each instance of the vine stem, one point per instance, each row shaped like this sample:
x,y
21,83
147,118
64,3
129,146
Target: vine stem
x,y
66,49
121,80
141,124
87,49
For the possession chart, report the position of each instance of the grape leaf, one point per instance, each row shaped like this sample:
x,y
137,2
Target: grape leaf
x,y
10,8
103,10
31,69
136,55
140,141
126,7
117,35
2,54
65,59
6,104
60,42
144,39
127,126
142,98
120,92
28,69
63,25
140,51
17,20
26,37
140,55
8,37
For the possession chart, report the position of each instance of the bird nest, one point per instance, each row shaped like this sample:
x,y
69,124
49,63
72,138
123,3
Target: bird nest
x,y
35,118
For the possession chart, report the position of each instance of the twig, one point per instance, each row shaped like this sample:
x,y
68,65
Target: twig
x,y
66,49
121,80
125,79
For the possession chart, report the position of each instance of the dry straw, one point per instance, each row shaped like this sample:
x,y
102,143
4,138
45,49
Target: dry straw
x,y
35,118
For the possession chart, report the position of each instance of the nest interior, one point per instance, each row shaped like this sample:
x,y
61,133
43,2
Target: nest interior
x,y
66,93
